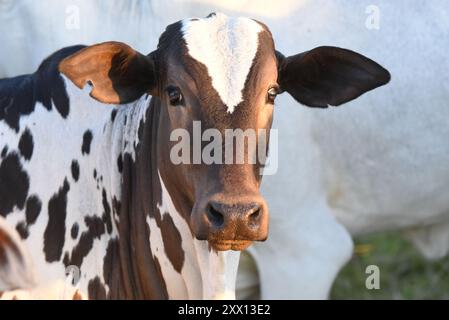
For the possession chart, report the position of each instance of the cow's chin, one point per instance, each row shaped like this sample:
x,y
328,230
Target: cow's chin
x,y
224,245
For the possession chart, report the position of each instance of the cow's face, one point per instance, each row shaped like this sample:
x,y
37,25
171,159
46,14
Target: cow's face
x,y
220,73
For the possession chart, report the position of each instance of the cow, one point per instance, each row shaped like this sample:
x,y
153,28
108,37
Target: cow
x,y
86,174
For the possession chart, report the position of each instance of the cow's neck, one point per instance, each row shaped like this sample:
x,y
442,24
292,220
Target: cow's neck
x,y
159,257
114,132
139,272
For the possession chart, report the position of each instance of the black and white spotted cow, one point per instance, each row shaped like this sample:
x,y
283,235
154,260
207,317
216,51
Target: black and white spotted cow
x,y
85,170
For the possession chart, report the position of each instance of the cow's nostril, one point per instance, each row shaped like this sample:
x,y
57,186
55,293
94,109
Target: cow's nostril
x,y
215,217
254,216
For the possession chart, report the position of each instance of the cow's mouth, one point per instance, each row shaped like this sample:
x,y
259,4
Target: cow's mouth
x,y
224,245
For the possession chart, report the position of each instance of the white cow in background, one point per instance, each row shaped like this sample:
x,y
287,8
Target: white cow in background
x,y
378,163
34,29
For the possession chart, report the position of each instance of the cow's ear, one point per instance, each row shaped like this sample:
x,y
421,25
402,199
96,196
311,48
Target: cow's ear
x,y
117,73
328,76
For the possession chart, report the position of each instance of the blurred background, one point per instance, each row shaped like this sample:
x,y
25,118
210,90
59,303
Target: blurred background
x,y
405,273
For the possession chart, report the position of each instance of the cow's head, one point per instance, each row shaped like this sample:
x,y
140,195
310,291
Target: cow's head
x,y
225,73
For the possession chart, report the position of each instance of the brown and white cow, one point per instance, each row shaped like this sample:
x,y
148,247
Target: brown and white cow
x,y
85,169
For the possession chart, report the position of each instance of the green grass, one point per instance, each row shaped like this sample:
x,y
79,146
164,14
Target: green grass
x,y
404,273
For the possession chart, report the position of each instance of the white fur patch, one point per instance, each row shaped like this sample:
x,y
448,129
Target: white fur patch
x,y
227,47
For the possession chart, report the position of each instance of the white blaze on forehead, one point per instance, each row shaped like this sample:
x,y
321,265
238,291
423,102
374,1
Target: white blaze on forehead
x,y
227,47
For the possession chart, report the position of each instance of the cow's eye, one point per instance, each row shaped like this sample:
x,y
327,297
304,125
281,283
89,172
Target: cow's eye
x,y
174,95
272,93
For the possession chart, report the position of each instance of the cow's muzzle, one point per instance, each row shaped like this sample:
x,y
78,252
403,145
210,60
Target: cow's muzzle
x,y
231,223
